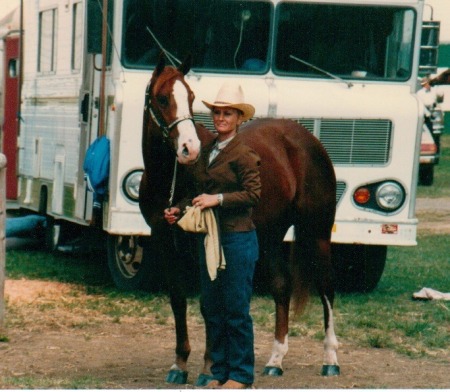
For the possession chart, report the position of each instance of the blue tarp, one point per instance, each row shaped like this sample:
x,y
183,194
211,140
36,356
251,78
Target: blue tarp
x,y
24,226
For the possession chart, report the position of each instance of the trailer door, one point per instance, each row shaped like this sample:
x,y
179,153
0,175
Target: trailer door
x,y
11,113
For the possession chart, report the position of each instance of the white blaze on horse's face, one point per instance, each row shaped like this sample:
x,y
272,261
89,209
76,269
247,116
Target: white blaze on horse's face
x,y
188,144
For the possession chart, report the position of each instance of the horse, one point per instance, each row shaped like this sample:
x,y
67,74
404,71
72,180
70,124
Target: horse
x,y
298,189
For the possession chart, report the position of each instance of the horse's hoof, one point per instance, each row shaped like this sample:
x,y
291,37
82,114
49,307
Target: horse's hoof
x,y
272,371
203,380
331,370
176,376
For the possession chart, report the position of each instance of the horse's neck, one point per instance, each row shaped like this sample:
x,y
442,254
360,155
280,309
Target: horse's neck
x,y
204,134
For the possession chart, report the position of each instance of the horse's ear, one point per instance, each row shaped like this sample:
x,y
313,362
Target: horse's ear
x,y
185,66
161,63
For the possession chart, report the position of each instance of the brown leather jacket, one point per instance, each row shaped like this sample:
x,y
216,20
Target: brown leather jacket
x,y
235,174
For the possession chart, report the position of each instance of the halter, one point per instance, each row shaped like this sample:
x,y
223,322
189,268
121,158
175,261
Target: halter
x,y
166,129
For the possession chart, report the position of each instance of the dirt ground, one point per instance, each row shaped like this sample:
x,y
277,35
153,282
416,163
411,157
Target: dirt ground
x,y
137,353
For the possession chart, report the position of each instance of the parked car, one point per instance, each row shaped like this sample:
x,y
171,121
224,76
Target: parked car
x,y
430,148
429,157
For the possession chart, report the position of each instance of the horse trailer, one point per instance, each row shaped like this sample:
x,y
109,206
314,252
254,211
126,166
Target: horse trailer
x,y
345,69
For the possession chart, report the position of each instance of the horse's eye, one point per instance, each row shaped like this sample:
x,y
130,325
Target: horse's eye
x,y
163,100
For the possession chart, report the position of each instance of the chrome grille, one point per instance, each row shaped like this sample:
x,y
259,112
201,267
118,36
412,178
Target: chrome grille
x,y
205,119
340,189
347,141
353,142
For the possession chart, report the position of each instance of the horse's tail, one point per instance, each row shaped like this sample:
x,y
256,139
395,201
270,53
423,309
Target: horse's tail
x,y
302,272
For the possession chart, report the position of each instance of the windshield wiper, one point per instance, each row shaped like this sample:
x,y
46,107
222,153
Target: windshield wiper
x,y
349,84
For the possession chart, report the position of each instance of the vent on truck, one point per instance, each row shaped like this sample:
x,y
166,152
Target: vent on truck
x,y
347,141
353,142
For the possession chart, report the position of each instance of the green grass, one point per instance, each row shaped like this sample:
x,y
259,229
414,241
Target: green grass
x,y
52,383
441,185
386,318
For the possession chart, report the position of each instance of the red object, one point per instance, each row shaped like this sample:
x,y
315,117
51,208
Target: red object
x,y
362,195
11,112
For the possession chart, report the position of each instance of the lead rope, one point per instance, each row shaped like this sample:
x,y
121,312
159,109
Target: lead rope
x,y
174,180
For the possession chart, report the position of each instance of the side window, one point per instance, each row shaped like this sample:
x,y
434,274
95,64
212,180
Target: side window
x,y
13,68
77,36
47,41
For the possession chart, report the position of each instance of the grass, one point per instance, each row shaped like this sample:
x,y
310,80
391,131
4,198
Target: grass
x,y
387,318
43,383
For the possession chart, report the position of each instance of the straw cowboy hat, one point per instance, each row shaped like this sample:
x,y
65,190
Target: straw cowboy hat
x,y
231,95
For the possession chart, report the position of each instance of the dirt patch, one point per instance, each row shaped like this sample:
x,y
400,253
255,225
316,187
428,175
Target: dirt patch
x,y
58,344
433,215
136,352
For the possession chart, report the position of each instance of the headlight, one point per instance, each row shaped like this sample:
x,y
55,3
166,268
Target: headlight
x,y
385,197
130,185
390,196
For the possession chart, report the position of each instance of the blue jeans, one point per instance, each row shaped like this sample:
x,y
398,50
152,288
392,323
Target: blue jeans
x,y
225,306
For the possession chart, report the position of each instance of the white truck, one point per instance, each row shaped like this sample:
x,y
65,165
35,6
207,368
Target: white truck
x,y
346,69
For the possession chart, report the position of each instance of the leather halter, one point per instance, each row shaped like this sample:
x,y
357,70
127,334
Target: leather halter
x,y
166,129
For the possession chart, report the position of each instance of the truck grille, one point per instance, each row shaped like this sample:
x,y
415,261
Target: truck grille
x,y
347,141
353,142
206,120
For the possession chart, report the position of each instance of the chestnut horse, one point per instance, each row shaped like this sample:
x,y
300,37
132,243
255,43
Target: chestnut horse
x,y
298,189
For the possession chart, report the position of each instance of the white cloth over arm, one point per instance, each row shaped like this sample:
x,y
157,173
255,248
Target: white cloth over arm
x,y
197,221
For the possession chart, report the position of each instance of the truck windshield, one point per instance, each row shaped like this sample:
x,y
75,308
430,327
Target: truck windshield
x,y
228,36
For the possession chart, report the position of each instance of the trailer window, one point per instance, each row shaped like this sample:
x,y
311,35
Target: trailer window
x,y
77,36
222,35
348,41
47,41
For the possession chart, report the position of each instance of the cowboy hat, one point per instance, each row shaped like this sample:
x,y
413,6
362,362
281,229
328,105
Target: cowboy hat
x,y
231,95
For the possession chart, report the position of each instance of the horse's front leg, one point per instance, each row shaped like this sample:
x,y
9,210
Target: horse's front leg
x,y
178,372
205,376
176,266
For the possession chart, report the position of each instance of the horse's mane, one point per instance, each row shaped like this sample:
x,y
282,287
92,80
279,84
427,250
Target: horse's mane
x,y
167,74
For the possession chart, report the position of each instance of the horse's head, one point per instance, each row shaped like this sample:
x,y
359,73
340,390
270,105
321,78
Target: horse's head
x,y
169,103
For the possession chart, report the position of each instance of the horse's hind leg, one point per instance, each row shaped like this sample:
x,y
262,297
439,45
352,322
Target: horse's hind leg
x,y
325,288
280,284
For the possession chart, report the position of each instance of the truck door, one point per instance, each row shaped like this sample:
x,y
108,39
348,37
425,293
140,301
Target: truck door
x,y
90,96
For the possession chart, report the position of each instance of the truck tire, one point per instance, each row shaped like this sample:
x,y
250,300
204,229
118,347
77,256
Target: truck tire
x,y
131,264
358,268
426,175
52,234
